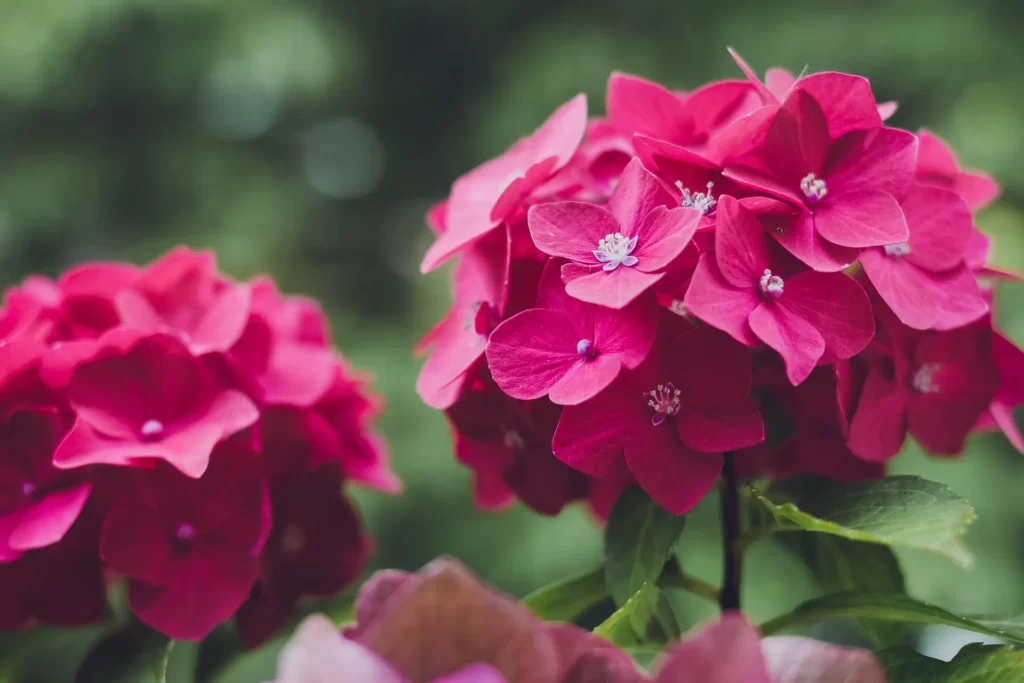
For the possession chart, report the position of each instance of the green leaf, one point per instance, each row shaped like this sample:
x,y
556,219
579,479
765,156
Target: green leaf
x,y
628,625
975,663
638,542
841,565
891,607
567,599
901,511
123,656
217,651
162,662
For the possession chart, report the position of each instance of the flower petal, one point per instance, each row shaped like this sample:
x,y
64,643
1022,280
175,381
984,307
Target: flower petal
x,y
714,300
317,653
796,340
672,474
861,219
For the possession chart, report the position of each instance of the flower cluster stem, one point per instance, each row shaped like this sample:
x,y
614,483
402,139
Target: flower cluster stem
x,y
732,529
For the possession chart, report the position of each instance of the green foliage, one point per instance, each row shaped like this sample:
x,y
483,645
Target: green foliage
x,y
892,607
639,540
973,664
900,511
629,625
567,599
841,565
126,654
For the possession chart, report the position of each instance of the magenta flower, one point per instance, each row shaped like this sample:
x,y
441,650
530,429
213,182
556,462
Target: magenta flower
x,y
316,547
146,397
924,280
849,187
442,625
746,290
934,386
491,193
480,291
1010,394
619,252
639,106
282,356
507,445
181,293
189,546
937,165
667,423
566,349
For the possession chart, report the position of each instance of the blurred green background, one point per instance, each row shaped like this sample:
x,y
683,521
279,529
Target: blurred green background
x,y
307,138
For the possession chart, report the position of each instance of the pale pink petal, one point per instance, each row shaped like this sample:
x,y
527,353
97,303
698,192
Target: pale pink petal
x,y
637,193
861,219
836,306
572,230
879,426
887,109
791,659
474,673
317,653
778,81
978,189
711,298
46,521
614,289
800,345
906,289
726,652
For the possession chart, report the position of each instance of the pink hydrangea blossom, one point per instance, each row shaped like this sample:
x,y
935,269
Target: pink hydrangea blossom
x,y
755,295
616,253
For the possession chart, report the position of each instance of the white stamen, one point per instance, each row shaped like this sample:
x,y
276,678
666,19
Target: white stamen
x,y
813,188
771,285
665,400
152,429
897,250
702,201
924,379
679,308
616,249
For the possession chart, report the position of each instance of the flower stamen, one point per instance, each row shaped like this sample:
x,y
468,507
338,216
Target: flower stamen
x,y
702,201
614,250
924,380
771,285
897,250
665,400
813,187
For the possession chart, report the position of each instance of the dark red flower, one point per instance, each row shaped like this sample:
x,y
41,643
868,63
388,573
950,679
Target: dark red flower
x,y
190,546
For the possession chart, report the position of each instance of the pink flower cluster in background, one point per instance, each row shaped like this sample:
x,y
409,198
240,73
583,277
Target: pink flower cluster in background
x,y
442,625
758,267
187,432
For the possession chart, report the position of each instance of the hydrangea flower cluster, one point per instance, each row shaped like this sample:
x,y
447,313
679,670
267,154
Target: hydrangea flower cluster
x,y
187,432
442,625
763,268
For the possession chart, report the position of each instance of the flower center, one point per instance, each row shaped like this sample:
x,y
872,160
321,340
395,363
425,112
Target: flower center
x,y
616,249
185,532
665,400
813,188
28,489
897,250
702,201
924,379
679,308
585,348
771,285
152,430
514,440
293,540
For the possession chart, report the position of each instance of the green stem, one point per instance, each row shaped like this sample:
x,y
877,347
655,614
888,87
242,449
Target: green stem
x,y
162,663
689,583
784,621
755,534
732,528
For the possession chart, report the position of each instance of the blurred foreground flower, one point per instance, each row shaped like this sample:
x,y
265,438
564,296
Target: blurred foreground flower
x,y
443,624
183,430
